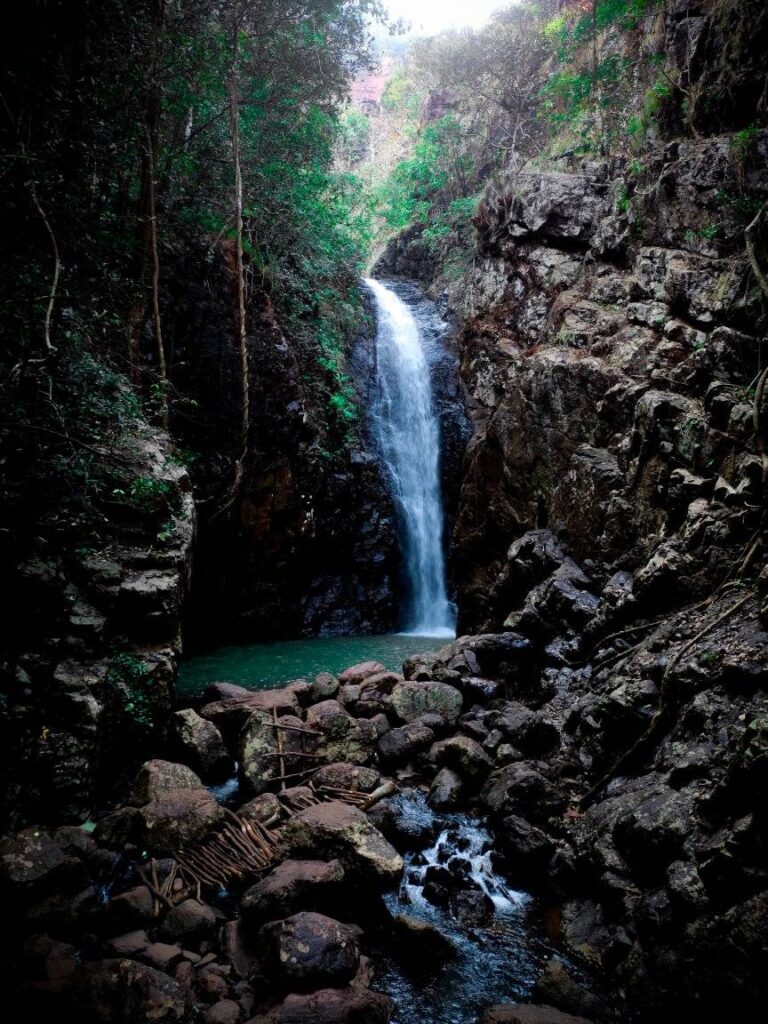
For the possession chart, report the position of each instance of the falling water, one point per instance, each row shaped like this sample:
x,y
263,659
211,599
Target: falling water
x,y
407,431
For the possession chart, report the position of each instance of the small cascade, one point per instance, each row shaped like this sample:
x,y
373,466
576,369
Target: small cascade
x,y
500,944
407,432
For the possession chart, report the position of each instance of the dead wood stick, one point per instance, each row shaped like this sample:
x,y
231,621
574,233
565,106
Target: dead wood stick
x,y
386,789
280,758
154,890
192,874
167,886
293,753
294,775
262,836
219,865
264,845
248,850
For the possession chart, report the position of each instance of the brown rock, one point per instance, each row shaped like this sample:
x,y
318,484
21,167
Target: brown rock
x,y
293,885
336,1006
189,919
163,956
226,1011
343,775
179,817
129,944
335,829
124,992
200,745
309,950
130,910
410,700
357,673
157,777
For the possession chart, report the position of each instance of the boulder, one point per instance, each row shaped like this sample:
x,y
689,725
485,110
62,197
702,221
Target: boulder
x,y
132,944
419,943
225,1011
177,818
163,955
404,828
123,992
224,691
33,861
357,673
334,1006
336,830
229,716
256,753
464,755
264,808
200,744
400,745
293,885
521,789
555,987
446,790
50,962
343,775
325,687
157,777
344,738
309,950
189,919
528,731
410,700
129,910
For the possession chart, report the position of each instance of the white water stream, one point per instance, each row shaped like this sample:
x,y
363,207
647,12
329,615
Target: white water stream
x,y
408,435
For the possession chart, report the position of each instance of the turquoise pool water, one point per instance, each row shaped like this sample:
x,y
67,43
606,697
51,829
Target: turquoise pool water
x,y
259,666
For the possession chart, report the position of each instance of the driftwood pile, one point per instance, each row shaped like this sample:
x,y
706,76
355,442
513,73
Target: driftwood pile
x,y
246,847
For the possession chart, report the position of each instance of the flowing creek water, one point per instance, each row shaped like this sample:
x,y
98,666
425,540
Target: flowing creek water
x,y
497,959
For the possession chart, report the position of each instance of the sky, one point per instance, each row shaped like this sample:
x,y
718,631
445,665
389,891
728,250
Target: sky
x,y
430,16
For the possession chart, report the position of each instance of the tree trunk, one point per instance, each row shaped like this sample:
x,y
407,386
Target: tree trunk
x,y
241,335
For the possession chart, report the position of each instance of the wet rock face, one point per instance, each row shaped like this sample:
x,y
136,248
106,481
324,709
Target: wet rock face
x,y
608,406
313,550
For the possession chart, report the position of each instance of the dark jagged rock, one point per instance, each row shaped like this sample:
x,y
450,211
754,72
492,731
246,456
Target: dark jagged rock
x,y
309,950
123,991
201,745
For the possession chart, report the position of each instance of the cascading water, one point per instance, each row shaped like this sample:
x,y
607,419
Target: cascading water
x,y
406,429
499,940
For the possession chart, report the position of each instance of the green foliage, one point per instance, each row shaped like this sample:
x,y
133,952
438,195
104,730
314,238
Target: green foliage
x,y
591,82
132,686
743,143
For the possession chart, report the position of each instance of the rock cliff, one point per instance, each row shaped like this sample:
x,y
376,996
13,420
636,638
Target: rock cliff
x,y
609,552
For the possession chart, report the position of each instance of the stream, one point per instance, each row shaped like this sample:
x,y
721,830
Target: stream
x,y
500,951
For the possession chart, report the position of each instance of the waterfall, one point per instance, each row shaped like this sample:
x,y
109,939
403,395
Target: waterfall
x,y
407,433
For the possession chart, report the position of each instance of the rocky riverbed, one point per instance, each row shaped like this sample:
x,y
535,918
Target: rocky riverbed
x,y
653,863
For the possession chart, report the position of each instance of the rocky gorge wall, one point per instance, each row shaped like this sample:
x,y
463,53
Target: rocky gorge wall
x,y
611,527
310,545
93,639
